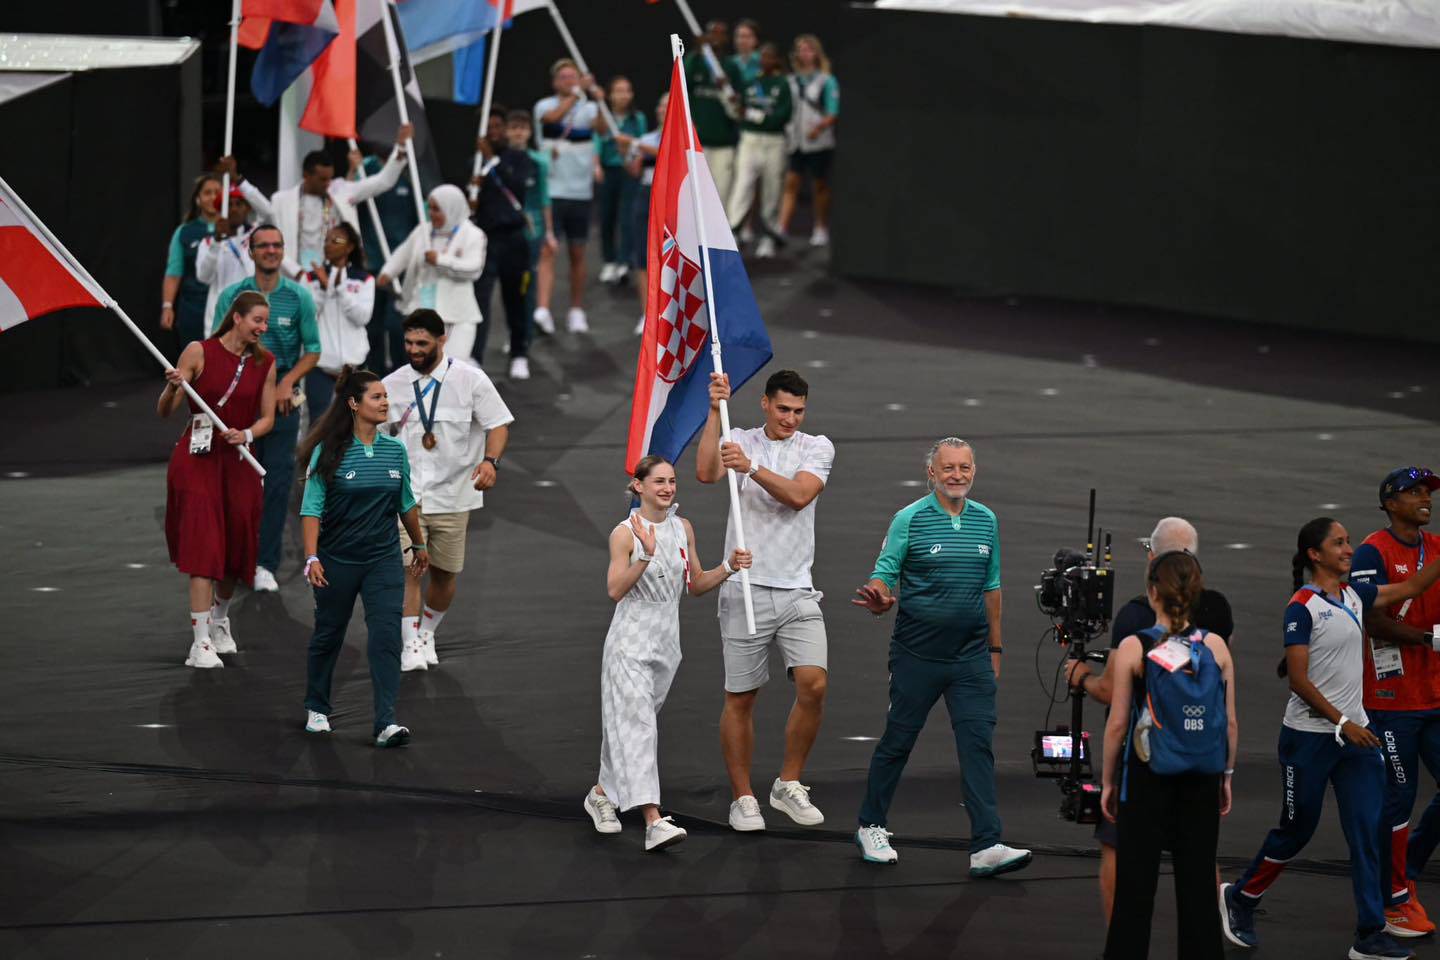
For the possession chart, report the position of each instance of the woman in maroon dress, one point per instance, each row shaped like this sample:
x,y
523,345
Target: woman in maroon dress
x,y
213,497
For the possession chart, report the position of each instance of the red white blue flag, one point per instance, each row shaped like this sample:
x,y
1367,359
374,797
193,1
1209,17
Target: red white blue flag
x,y
672,379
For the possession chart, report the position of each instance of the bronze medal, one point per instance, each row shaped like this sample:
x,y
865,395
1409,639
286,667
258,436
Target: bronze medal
x,y
428,440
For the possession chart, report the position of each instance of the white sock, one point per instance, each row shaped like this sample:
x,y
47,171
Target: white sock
x,y
409,630
220,609
200,625
430,619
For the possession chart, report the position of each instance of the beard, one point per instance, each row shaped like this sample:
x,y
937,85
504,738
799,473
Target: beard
x,y
427,361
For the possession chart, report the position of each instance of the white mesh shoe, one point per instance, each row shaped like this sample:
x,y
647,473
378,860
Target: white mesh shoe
x,y
997,859
874,844
264,581
602,812
202,656
393,736
427,648
663,833
412,657
793,798
745,814
544,320
316,722
221,637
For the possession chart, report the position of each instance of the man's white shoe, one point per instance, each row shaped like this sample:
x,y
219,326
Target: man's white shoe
x,y
412,657
575,321
202,656
316,722
607,272
793,798
820,237
427,648
221,638
264,581
874,843
765,249
602,812
745,814
520,368
393,736
640,326
622,270
544,320
997,859
663,833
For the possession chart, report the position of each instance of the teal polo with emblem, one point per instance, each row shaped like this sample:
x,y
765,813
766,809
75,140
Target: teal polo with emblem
x,y
943,566
357,507
293,330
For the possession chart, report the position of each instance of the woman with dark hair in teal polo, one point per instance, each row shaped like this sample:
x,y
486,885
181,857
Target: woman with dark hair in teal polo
x,y
357,480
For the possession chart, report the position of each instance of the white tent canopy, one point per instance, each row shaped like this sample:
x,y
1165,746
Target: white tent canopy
x,y
65,53
1409,23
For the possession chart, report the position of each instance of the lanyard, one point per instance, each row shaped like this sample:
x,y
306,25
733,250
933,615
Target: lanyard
x,y
420,395
239,371
427,420
1343,606
489,167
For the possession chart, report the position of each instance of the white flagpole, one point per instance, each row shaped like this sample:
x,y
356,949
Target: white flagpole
x,y
710,59
393,49
487,98
692,147
580,62
379,229
230,106
110,303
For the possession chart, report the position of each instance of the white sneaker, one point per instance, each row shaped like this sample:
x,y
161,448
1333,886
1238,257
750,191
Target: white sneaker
x,y
874,843
820,237
427,648
765,249
747,233
575,321
607,272
520,368
202,656
602,812
663,833
316,722
393,736
622,271
412,657
745,814
793,798
221,638
264,581
997,859
544,320
640,326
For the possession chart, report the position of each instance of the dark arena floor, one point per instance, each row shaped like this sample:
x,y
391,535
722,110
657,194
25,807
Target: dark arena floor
x,y
147,810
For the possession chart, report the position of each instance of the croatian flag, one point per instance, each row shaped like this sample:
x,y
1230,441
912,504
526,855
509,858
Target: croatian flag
x,y
35,277
672,379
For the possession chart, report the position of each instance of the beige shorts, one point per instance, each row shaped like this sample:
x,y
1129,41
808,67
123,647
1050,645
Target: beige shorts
x,y
444,538
788,619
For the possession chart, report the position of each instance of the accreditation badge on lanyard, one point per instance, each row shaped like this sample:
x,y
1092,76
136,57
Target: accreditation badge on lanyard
x,y
202,430
1386,656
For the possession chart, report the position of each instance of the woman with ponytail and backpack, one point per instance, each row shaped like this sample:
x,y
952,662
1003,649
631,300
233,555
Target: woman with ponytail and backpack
x,y
357,480
1169,752
1326,738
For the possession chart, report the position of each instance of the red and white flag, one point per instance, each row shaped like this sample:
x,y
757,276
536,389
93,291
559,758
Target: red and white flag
x,y
35,277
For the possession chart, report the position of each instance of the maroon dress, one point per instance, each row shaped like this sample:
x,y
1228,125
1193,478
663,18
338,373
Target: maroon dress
x,y
212,502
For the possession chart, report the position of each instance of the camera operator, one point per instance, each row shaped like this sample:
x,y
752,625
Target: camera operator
x,y
1211,614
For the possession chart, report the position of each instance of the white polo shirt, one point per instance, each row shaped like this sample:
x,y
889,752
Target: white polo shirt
x,y
467,408
782,539
1337,653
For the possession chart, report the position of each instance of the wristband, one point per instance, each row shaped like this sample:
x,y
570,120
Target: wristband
x,y
249,435
418,546
646,557
729,570
309,560
1230,772
1339,727
997,649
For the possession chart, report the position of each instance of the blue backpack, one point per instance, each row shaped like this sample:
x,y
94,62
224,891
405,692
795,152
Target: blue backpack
x,y
1188,726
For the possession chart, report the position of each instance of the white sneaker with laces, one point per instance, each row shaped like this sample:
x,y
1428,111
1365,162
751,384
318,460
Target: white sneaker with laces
x,y
202,656
874,843
393,736
997,859
520,368
820,237
316,722
607,273
264,581
221,637
544,320
427,648
765,249
575,321
793,798
602,812
640,326
412,657
745,814
663,833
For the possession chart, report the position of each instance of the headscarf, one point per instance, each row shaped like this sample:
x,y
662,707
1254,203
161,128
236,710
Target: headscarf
x,y
452,203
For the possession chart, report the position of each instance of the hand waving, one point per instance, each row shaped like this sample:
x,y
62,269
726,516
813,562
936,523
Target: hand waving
x,y
644,532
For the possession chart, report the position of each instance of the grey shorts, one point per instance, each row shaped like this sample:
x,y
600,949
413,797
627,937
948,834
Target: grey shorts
x,y
790,619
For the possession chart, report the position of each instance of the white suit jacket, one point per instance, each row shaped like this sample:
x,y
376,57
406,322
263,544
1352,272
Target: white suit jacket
x,y
347,195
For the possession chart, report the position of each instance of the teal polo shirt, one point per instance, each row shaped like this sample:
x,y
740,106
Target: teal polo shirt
x,y
293,330
943,566
358,506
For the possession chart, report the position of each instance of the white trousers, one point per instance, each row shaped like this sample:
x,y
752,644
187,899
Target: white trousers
x,y
459,341
761,160
721,161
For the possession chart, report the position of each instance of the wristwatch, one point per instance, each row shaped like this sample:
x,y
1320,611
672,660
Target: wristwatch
x,y
754,469
493,461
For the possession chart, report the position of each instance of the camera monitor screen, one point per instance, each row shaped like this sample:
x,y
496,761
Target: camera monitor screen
x,y
1051,754
1058,746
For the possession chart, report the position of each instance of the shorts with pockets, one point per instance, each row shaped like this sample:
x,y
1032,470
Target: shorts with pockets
x,y
788,618
444,538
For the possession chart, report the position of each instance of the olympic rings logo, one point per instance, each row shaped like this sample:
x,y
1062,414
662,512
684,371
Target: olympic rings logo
x,y
1194,710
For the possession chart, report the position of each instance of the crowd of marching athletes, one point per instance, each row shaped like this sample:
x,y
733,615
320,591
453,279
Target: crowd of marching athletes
x,y
552,176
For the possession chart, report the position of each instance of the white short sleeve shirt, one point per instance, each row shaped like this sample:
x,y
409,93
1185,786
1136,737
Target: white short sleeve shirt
x,y
782,539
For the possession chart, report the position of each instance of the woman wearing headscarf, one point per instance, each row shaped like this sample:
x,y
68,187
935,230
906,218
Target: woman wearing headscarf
x,y
440,262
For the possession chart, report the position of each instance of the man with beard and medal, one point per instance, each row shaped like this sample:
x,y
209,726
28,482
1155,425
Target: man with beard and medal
x,y
454,426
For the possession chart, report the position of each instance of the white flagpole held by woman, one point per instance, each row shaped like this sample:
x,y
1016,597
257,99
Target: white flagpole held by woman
x,y
486,99
230,106
110,303
392,47
677,50
379,229
580,62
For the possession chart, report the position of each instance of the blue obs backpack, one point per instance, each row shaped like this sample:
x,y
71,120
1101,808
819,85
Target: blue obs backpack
x,y
1183,715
